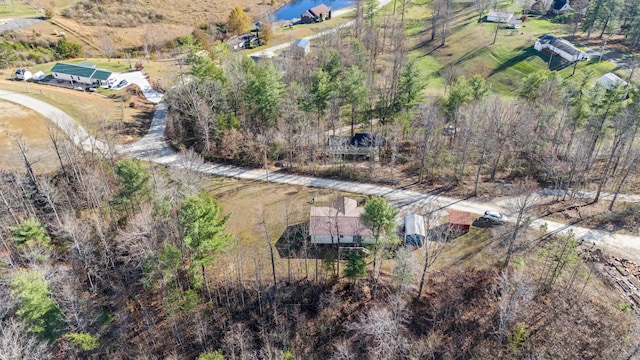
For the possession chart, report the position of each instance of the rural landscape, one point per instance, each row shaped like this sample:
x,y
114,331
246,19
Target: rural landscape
x,y
365,179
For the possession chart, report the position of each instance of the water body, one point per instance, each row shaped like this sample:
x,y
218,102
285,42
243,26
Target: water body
x,y
296,7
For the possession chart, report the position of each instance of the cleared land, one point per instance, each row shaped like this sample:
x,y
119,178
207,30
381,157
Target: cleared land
x,y
33,130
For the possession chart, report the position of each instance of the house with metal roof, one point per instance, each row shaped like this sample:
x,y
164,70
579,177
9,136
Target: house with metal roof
x,y
557,46
301,47
610,80
85,74
414,231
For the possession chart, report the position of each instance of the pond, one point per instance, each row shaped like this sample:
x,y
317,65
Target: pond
x,y
296,7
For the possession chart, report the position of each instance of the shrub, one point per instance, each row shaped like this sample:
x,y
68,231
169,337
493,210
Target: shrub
x,y
84,341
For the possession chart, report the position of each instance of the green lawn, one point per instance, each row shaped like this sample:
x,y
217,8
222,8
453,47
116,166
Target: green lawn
x,y
470,47
117,65
19,9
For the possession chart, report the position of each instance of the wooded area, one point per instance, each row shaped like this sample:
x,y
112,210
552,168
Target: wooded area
x,y
116,258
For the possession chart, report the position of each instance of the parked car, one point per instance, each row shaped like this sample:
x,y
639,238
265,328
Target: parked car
x,y
122,84
92,88
494,217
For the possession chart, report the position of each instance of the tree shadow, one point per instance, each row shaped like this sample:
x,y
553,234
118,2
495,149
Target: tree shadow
x,y
529,52
294,243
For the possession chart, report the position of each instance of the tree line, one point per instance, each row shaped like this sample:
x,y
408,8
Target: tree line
x,y
565,133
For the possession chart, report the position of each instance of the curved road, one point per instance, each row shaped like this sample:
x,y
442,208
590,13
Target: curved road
x,y
154,147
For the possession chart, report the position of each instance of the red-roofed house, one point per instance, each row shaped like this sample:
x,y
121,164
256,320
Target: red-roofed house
x,y
339,224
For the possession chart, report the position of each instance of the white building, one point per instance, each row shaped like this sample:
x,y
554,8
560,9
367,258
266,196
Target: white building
x,y
84,73
560,47
499,16
339,224
414,231
610,81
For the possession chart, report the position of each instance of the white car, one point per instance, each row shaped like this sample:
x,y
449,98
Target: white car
x,y
495,217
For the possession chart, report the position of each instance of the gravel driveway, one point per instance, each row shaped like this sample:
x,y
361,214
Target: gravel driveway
x,y
16,24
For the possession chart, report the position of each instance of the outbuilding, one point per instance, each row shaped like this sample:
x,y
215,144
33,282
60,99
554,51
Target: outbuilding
x,y
610,81
301,48
414,231
459,221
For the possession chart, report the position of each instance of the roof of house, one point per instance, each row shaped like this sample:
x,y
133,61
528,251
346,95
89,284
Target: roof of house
x,y
343,218
459,217
81,70
500,14
320,9
559,4
559,43
303,43
610,80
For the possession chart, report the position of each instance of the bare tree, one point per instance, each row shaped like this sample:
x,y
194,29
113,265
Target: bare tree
x,y
520,207
433,246
17,343
514,291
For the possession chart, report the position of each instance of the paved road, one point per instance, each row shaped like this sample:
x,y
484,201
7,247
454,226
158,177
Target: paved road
x,y
154,147
76,133
16,24
270,51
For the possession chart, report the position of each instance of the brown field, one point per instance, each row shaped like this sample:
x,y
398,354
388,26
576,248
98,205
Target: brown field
x,y
33,129
251,204
180,18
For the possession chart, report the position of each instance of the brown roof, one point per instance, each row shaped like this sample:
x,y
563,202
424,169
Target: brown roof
x,y
459,217
320,9
341,219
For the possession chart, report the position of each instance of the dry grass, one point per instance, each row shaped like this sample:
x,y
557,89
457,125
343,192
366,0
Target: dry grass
x,y
251,205
94,112
33,130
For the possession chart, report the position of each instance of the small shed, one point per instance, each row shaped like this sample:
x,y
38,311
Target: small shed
x,y
414,231
610,81
459,220
301,47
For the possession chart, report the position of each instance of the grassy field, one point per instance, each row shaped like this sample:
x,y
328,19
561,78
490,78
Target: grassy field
x,y
17,9
258,212
33,130
470,47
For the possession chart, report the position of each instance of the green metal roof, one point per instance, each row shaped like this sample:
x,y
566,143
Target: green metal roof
x,y
80,70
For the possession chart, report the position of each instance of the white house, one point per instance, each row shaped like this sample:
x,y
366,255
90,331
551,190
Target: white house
x,y
560,7
499,16
84,73
610,81
339,224
414,231
560,47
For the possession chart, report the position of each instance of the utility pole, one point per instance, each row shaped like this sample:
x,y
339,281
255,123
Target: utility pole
x,y
602,50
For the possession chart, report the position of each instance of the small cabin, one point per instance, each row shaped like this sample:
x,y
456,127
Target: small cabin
x,y
459,221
